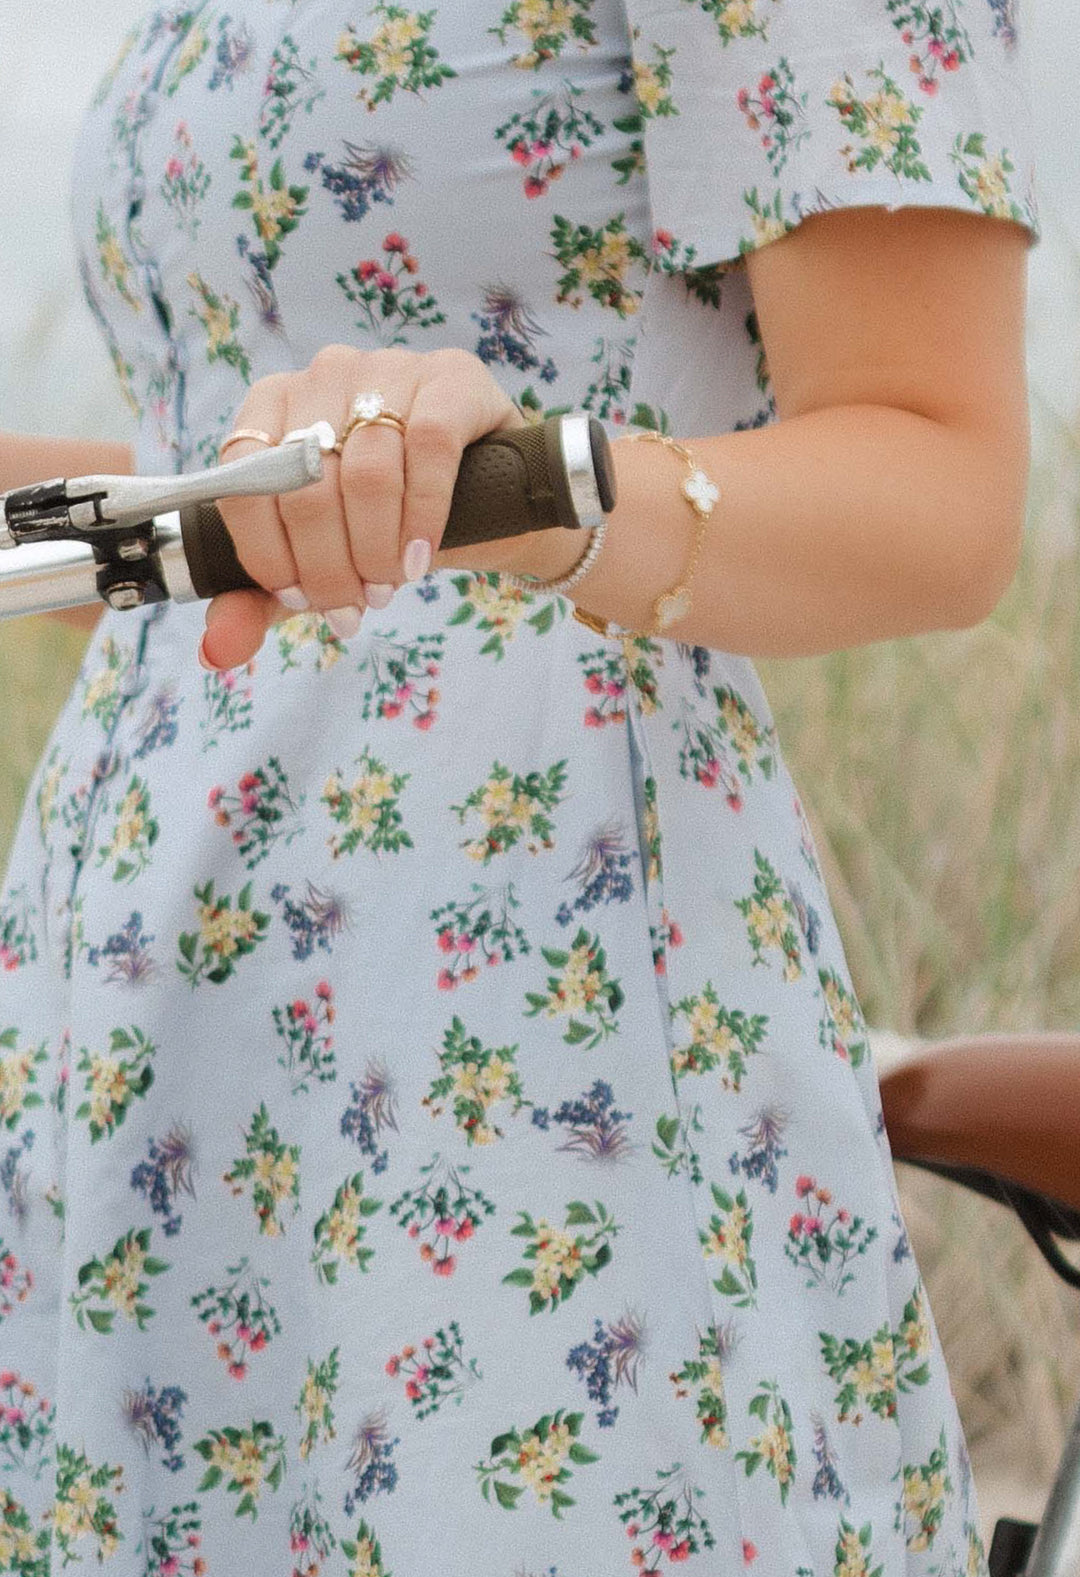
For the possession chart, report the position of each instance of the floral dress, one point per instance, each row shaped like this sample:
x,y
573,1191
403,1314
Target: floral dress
x,y
438,1133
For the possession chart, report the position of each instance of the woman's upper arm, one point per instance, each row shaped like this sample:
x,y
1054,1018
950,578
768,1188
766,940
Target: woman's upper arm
x,y
921,308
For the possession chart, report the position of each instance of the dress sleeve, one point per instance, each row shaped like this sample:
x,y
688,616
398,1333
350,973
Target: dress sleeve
x,y
756,113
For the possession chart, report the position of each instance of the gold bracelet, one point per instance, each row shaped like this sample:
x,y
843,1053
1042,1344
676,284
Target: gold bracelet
x,y
702,493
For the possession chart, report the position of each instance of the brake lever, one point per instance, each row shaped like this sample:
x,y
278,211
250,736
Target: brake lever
x,y
117,512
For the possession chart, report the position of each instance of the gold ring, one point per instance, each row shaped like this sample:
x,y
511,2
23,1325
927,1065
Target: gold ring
x,y
247,432
369,410
368,421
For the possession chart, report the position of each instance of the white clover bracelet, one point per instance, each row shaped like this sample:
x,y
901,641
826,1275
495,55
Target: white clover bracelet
x,y
700,491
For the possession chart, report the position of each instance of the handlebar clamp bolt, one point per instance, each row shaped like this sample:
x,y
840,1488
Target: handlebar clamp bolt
x,y
124,595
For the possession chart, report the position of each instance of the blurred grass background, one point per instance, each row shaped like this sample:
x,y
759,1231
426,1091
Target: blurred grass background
x,y
939,773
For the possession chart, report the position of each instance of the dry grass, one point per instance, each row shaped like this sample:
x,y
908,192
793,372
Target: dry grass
x,y
940,776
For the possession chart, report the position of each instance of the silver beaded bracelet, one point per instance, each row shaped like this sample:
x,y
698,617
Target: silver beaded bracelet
x,y
580,569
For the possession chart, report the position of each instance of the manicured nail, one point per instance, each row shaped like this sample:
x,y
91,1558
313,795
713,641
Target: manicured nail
x,y
417,558
204,661
377,594
344,621
293,598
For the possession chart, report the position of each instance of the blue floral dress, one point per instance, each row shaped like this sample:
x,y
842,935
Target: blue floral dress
x,y
438,1132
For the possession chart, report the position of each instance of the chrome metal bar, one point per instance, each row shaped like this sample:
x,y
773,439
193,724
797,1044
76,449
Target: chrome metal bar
x,y
1056,1551
44,576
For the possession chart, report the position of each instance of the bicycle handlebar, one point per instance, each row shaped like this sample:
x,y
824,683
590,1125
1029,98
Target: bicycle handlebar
x,y
136,540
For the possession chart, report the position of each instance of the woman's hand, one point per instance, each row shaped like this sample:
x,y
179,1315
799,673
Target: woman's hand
x,y
343,541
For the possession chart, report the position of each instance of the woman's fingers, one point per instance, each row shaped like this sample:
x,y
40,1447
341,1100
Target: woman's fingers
x,y
314,516
254,523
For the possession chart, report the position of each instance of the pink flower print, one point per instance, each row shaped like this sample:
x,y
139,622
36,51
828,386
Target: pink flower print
x,y
593,718
812,1224
7,1378
632,1529
214,796
843,1216
795,1225
594,683
324,990
445,1267
445,1226
446,981
804,1185
445,943
412,1391
244,1332
174,169
663,1539
680,1551
465,942
575,150
311,1023
393,1365
391,709
171,1566
464,1229
395,243
238,1370
520,153
365,269
429,1341
424,720
749,1551
299,1009
663,240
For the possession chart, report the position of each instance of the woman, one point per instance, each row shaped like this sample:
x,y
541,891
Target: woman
x,y
442,1133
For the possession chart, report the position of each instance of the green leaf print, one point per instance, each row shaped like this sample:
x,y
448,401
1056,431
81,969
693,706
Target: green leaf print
x,y
559,1260
240,1458
538,1455
113,1081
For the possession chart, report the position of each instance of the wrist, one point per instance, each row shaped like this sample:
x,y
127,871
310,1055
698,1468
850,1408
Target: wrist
x,y
549,554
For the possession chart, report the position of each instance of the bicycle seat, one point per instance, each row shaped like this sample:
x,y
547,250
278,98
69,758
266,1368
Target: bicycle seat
x,y
1002,1105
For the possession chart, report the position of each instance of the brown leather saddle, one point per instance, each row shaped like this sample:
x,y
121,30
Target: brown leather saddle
x,y
999,1114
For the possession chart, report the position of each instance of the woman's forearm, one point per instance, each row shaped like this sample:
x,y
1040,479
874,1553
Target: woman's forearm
x,y
833,528
26,458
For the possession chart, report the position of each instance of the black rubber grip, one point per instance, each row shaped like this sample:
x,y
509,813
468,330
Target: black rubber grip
x,y
508,483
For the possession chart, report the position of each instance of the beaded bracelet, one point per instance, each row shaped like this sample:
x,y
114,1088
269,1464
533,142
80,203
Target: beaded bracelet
x,y
674,603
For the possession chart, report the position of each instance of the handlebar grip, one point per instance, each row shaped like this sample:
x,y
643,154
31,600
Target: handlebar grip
x,y
508,483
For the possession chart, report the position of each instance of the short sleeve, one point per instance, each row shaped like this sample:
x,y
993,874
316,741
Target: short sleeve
x,y
757,113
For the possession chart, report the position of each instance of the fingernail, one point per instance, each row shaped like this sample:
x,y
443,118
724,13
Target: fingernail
x,y
204,661
417,558
293,598
344,621
377,594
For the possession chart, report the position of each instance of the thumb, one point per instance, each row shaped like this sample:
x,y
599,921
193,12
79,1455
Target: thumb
x,y
236,626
